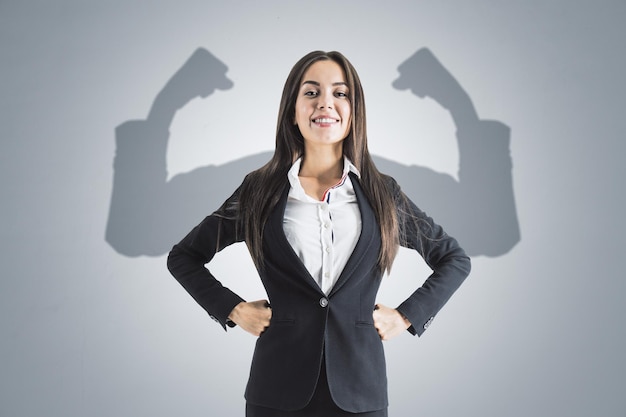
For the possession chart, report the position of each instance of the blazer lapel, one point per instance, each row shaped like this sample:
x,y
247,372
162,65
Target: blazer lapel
x,y
275,225
369,232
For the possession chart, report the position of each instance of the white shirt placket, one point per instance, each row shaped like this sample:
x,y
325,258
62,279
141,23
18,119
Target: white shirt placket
x,y
326,235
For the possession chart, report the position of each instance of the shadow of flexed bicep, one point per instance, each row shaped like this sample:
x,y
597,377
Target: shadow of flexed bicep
x,y
148,213
478,209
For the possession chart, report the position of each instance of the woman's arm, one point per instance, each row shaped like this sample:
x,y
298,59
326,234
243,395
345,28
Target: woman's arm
x,y
442,253
187,259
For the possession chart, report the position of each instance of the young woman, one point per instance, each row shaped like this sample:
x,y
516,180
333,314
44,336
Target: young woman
x,y
322,226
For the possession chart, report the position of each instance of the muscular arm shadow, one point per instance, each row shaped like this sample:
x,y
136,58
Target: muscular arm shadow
x,y
148,213
478,209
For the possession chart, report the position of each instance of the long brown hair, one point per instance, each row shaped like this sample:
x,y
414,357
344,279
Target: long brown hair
x,y
263,188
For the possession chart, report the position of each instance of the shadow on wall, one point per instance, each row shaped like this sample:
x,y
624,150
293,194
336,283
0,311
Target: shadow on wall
x,y
149,214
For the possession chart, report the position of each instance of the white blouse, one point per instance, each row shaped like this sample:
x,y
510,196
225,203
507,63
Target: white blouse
x,y
323,233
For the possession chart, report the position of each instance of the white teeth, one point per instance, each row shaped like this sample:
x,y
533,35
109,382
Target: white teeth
x,y
324,120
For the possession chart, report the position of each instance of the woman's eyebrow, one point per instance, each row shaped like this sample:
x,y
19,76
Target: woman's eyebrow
x,y
315,83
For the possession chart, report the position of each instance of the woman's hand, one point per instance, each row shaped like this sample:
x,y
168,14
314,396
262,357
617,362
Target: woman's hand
x,y
254,317
389,322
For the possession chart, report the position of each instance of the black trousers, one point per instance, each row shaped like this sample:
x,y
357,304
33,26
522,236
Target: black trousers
x,y
321,405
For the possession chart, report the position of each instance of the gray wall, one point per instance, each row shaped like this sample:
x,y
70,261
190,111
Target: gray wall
x,y
91,327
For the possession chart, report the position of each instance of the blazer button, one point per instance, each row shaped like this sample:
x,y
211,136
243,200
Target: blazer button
x,y
323,301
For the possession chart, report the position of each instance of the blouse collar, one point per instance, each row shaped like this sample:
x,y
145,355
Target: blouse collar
x,y
294,181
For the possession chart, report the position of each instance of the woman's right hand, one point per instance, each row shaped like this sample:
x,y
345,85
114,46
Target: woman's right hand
x,y
253,317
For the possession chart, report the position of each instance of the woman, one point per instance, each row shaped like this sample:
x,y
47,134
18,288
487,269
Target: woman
x,y
322,226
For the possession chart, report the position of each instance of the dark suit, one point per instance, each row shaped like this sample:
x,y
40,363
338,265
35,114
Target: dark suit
x,y
306,324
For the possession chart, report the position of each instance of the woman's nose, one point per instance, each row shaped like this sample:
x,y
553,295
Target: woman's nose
x,y
325,101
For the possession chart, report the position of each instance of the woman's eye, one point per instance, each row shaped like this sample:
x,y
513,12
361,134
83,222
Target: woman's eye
x,y
310,93
341,94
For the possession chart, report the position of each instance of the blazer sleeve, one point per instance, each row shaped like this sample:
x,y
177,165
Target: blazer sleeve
x,y
441,252
187,259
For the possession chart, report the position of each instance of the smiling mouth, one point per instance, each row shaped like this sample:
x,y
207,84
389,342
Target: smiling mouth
x,y
325,120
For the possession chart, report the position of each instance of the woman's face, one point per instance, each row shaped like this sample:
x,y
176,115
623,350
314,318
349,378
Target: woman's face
x,y
323,108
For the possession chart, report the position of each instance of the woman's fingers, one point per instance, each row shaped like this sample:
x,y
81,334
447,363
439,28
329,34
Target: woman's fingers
x,y
253,317
389,322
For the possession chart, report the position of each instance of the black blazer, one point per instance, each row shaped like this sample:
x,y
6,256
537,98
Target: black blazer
x,y
306,324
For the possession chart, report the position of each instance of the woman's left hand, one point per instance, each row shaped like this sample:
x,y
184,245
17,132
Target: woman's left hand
x,y
389,322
